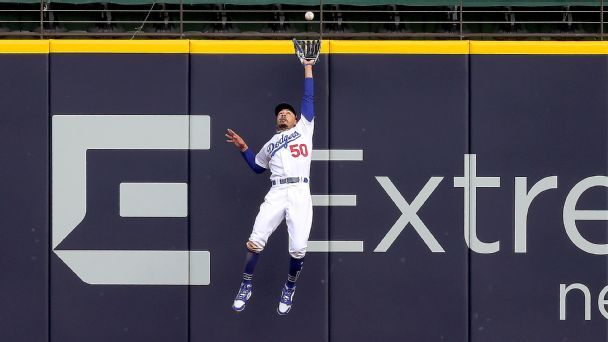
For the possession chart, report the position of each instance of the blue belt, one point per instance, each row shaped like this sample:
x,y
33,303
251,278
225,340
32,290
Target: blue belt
x,y
289,180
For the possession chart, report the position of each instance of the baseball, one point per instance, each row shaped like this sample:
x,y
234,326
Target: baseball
x,y
309,16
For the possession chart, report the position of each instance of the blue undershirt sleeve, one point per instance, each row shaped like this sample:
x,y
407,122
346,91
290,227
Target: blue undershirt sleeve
x,y
250,159
307,108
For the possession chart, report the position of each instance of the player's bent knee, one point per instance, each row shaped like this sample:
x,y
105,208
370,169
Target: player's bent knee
x,y
254,247
298,254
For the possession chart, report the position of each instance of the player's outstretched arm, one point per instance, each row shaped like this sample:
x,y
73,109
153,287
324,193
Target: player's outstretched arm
x,y
308,68
245,151
307,108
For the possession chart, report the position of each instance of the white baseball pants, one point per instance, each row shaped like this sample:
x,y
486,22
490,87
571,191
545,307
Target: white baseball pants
x,y
293,203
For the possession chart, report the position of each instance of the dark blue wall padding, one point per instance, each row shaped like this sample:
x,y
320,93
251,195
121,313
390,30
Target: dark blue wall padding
x,y
408,122
24,203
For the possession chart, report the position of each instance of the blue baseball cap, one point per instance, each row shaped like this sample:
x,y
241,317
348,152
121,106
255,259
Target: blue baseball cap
x,y
282,106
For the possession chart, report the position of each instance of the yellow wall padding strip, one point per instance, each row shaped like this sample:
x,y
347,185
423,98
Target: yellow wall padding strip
x,y
275,47
286,47
119,46
408,47
24,46
538,48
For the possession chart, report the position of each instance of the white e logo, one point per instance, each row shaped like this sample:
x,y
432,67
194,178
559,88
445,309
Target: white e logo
x,y
72,136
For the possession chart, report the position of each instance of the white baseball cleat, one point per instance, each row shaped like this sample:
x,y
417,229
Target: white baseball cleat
x,y
242,297
286,300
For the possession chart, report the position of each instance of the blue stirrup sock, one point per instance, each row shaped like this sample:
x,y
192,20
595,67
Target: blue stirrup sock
x,y
250,261
295,267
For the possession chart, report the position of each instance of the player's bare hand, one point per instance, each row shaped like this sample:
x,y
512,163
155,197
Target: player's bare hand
x,y
236,140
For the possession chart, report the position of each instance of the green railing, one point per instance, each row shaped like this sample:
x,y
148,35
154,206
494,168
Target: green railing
x,y
425,3
432,19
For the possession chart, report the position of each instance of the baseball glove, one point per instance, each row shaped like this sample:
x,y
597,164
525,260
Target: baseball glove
x,y
307,50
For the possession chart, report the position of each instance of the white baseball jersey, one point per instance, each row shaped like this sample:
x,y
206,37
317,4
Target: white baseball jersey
x,y
287,154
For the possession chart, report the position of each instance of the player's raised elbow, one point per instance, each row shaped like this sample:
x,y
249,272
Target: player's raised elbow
x,y
258,169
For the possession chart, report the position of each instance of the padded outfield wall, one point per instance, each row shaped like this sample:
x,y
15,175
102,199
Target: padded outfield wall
x,y
459,191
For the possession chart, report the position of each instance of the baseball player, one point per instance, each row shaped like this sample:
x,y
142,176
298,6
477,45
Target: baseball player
x,y
287,154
